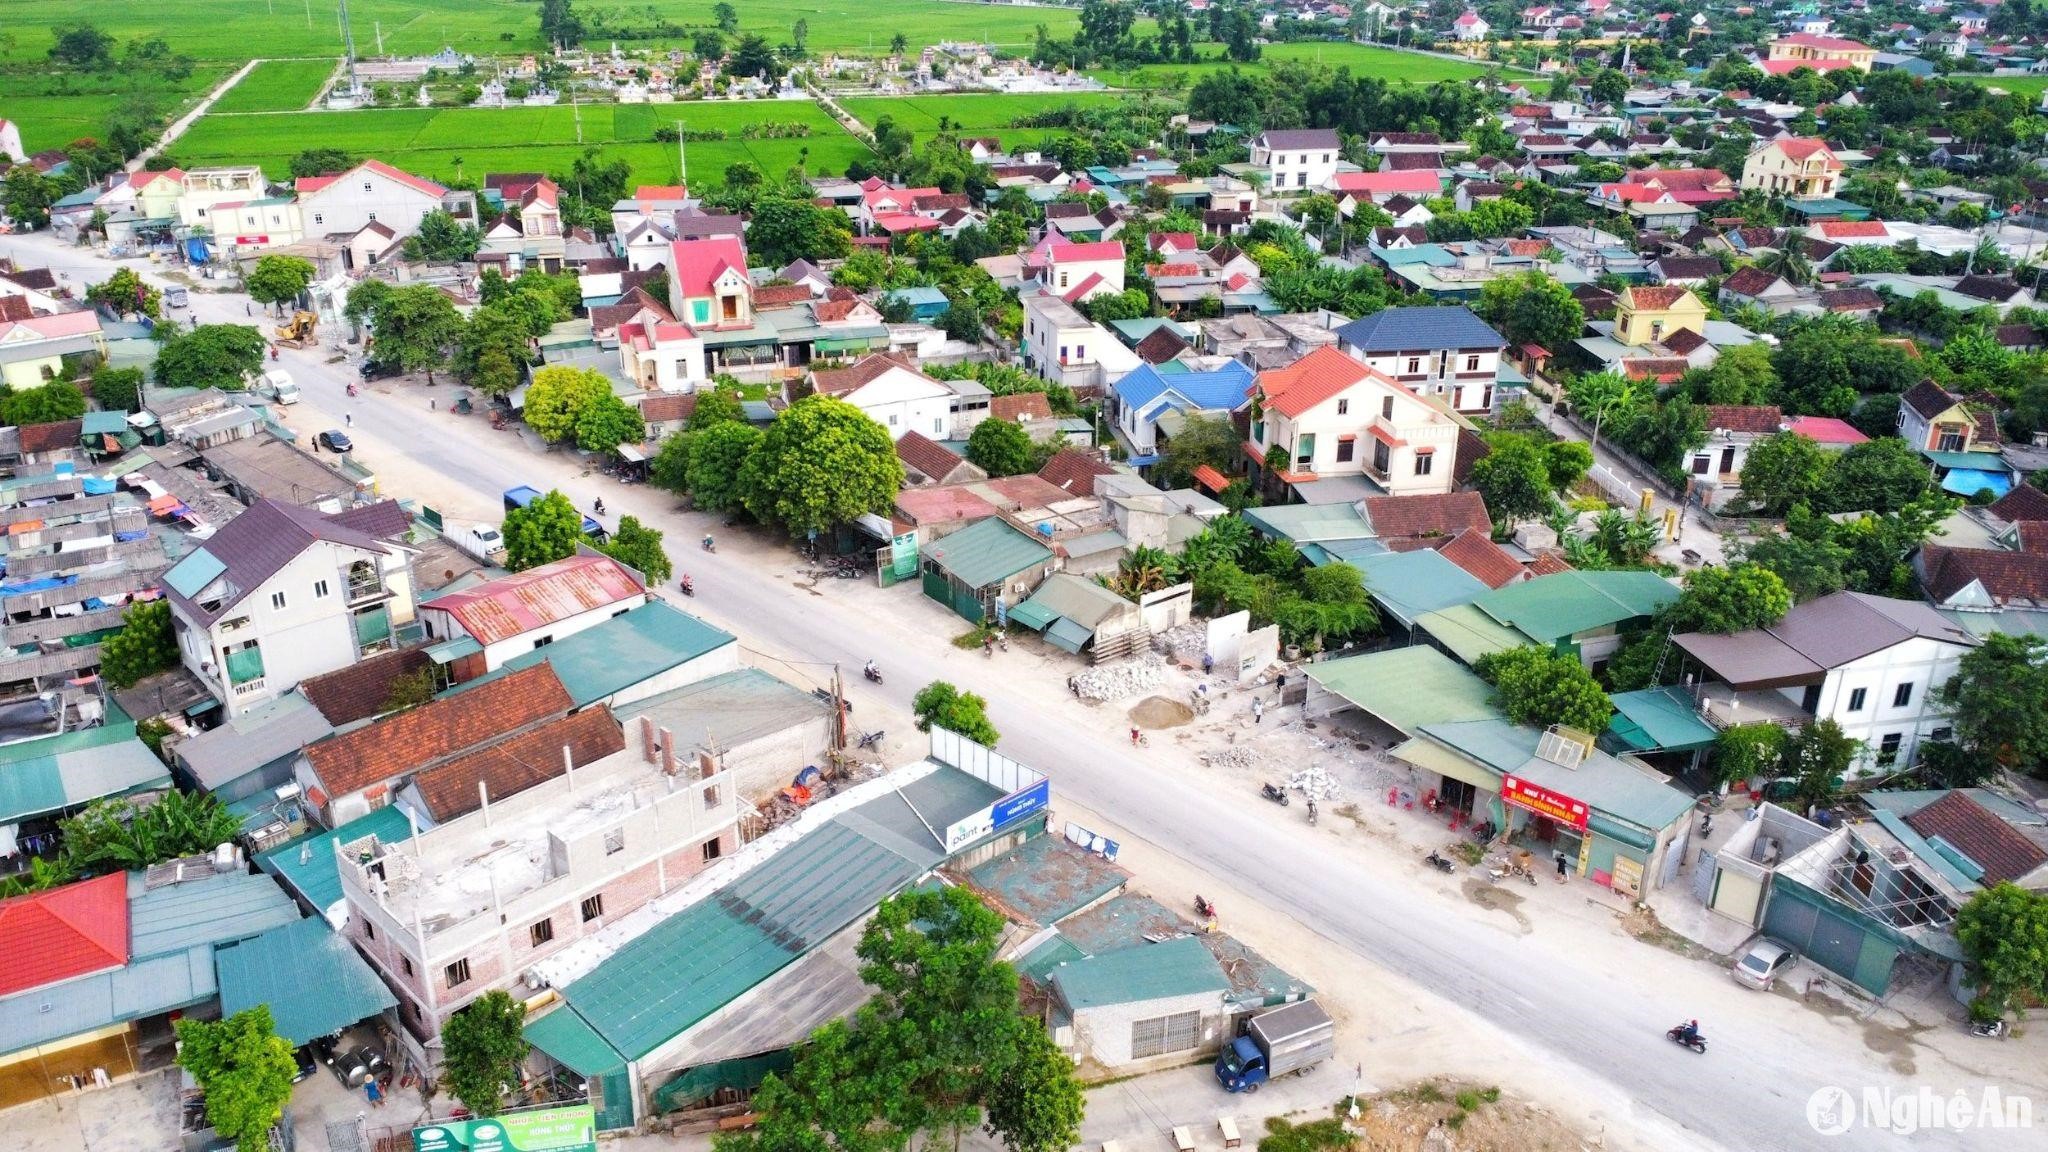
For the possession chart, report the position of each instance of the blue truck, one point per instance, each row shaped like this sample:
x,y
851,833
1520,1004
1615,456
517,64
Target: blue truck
x,y
526,494
1292,1038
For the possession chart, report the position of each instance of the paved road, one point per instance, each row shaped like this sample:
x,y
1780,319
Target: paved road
x,y
1593,1014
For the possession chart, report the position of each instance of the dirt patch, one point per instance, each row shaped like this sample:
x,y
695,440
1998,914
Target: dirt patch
x,y
1641,923
1159,712
1433,1116
1895,1042
1495,898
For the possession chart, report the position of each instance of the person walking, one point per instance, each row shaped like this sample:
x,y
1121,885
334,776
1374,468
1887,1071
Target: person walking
x,y
1560,866
348,418
430,403
1258,710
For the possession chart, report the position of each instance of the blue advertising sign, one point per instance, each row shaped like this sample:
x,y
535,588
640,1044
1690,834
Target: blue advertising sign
x,y
1017,805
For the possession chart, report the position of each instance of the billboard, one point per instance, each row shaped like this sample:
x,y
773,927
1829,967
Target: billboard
x,y
570,1128
1544,802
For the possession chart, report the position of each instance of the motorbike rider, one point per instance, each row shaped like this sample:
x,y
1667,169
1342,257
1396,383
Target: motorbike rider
x,y
1689,1031
689,589
870,671
709,545
600,505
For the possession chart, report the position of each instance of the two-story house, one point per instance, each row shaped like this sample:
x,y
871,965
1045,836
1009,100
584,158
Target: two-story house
x,y
202,189
893,394
1469,27
1329,415
1078,273
1820,53
1873,665
1716,466
661,352
1296,159
1148,406
1652,314
529,225
1444,352
1801,167
342,204
708,286
1933,419
486,624
1064,347
282,593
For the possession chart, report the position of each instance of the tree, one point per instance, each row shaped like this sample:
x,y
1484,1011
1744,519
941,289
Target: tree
x,y
1730,599
1513,479
940,703
82,45
27,194
1880,475
1332,606
783,230
1532,309
126,835
543,532
718,460
1818,757
143,646
1567,462
1810,564
716,405
1000,448
1033,1101
670,468
1741,375
559,396
45,403
2004,933
442,239
244,1067
1782,470
727,16
559,23
367,296
1747,751
1998,701
410,691
482,1047
1203,440
321,162
125,294
751,57
608,422
1540,687
210,356
117,389
279,279
414,327
822,462
639,547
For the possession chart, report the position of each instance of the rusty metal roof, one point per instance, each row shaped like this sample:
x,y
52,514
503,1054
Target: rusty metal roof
x,y
501,609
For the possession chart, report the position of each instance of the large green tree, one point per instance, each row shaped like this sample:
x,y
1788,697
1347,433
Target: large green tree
x,y
244,1067
278,279
482,1046
46,403
822,462
558,398
1783,470
142,647
543,532
718,458
1000,448
639,547
1731,598
117,389
1881,475
608,422
210,356
414,327
940,703
1513,478
782,230
1818,758
441,238
1540,687
1532,308
670,468
1998,701
124,293
2004,933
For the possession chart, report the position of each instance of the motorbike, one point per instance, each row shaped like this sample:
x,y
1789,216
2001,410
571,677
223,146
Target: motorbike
x,y
1275,793
1437,861
872,739
1484,832
598,506
1695,1041
1205,909
873,674
352,389
710,545
688,589
1990,1029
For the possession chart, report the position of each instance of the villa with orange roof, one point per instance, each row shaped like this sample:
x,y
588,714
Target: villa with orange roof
x,y
1820,53
1800,167
1328,416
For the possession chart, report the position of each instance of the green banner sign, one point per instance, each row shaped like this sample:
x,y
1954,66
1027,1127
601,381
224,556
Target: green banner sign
x,y
903,556
567,1129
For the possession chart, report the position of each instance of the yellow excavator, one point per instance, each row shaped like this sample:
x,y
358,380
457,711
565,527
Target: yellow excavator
x,y
298,331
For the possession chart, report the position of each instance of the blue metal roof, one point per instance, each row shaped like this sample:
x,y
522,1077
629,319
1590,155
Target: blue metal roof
x,y
1403,329
313,981
308,866
1225,389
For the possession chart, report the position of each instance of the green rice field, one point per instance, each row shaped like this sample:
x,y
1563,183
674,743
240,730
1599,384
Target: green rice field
x,y
470,142
2030,87
1363,60
277,86
972,113
53,109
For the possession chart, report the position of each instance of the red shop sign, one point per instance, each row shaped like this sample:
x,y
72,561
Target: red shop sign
x,y
1542,801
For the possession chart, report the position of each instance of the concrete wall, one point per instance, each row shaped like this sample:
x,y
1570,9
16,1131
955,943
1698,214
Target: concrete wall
x,y
1103,1035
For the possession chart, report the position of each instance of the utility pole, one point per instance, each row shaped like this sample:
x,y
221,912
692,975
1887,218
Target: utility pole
x,y
348,40
682,160
838,711
378,25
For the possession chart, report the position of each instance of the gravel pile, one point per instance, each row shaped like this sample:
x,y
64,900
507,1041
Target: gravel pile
x,y
1185,642
1121,679
1314,783
1236,756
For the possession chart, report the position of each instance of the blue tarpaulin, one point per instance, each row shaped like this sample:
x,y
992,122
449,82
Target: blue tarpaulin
x,y
94,486
1970,481
43,585
195,250
129,537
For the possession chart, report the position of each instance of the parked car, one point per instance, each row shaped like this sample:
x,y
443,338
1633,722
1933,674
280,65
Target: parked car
x,y
373,370
335,440
1761,966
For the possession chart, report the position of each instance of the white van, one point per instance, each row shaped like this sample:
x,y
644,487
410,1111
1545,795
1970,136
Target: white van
x,y
277,384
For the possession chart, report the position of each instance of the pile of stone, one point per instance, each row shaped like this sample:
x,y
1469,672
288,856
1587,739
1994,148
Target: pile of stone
x,y
1314,783
1118,680
1185,642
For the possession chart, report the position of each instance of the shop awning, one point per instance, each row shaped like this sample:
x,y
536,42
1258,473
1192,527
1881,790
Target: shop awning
x,y
1032,615
701,1082
449,651
1433,757
1066,634
632,453
573,1043
313,980
1659,719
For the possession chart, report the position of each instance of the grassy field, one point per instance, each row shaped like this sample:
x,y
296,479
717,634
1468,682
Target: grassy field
x,y
54,110
277,86
1362,59
240,29
970,113
471,142
2030,87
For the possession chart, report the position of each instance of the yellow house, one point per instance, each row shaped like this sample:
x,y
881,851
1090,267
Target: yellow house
x,y
1652,314
157,193
1820,53
1796,166
32,350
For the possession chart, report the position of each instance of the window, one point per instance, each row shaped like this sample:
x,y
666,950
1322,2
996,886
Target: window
x,y
1943,734
1701,463
892,419
277,599
1856,696
1326,157
1471,363
318,218
1081,353
615,841
371,215
369,187
712,849
1902,695
319,589
1424,463
1343,407
1888,748
1414,366
1301,178
593,907
541,933
1346,449
1951,440
1387,407
405,962
1304,157
1063,279
1163,1034
711,798
457,974
543,641
938,426
369,930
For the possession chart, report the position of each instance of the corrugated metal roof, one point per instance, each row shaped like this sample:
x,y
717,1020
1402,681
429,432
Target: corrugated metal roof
x,y
1081,600
313,981
1550,608
1659,719
1066,634
1408,584
1311,523
732,708
1407,687
208,910
308,866
257,737
573,1043
1615,788
58,772
1468,632
986,552
1181,967
508,606
621,652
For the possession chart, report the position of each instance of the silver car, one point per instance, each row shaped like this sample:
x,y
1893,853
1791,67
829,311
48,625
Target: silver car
x,y
1763,964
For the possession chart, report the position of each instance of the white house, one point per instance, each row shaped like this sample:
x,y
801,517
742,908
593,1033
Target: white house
x,y
1873,665
1144,398
1296,158
371,191
1445,352
1333,416
283,593
10,141
1716,466
203,189
1080,272
1469,27
893,394
532,609
661,353
1065,347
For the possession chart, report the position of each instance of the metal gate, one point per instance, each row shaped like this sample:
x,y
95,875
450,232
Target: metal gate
x,y
1834,942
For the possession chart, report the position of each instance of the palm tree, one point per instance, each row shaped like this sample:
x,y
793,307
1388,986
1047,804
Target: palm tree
x,y
1790,262
1144,569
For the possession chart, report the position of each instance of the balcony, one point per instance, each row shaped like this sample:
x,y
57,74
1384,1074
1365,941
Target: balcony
x,y
364,591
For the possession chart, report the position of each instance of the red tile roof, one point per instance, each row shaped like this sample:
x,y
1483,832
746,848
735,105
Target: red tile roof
x,y
1393,517
780,295
51,437
1309,381
1757,419
514,765
1475,552
1827,430
359,691
699,263
2024,502
2004,852
1854,230
1800,147
1654,296
512,605
866,370
64,933
927,457
2005,576
1064,253
1548,563
396,745
1020,406
1210,478
1074,471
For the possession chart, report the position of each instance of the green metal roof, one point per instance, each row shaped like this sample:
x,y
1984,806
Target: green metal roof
x,y
449,651
314,981
1033,615
1659,719
1616,789
701,1082
195,913
308,867
1550,608
53,773
1407,687
1042,961
1311,523
1469,633
573,1043
1973,461
619,653
1408,584
986,552
1068,635
1181,967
